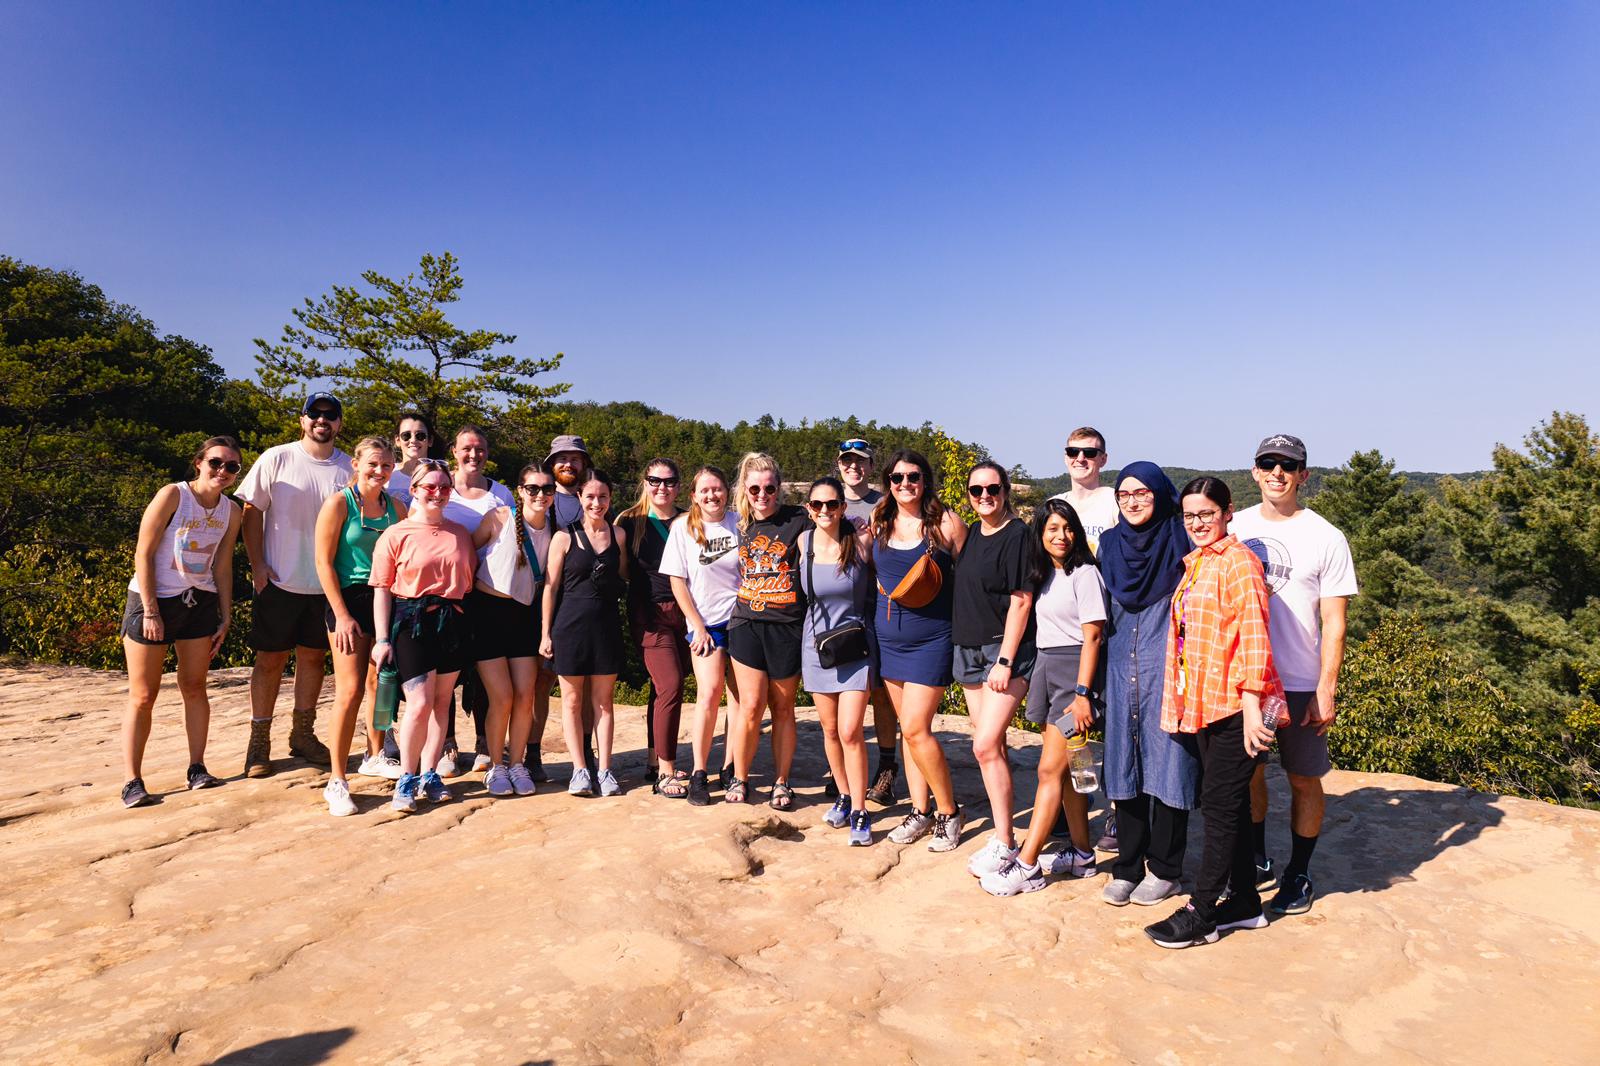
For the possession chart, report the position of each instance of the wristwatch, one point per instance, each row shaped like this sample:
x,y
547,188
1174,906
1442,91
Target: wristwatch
x,y
1085,691
1001,660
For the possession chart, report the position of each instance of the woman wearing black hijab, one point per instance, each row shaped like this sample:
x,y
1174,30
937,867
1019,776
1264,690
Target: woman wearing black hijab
x,y
1153,777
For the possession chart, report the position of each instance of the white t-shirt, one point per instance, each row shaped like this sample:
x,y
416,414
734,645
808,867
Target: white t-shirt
x,y
1098,513
288,486
712,571
469,514
1306,560
399,488
1066,603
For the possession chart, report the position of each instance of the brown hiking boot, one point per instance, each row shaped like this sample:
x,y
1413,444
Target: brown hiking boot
x,y
303,742
258,756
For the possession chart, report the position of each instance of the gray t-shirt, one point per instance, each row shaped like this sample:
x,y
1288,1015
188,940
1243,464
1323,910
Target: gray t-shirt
x,y
860,511
1068,601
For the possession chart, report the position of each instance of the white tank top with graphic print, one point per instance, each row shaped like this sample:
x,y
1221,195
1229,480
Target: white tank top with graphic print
x,y
189,546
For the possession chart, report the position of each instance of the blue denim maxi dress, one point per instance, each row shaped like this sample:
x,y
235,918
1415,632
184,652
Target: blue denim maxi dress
x,y
1139,756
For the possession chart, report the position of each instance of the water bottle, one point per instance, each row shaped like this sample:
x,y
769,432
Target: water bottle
x,y
1080,762
387,701
1274,712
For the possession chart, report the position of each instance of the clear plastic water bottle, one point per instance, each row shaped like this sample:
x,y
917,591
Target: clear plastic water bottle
x,y
387,701
1274,712
1080,763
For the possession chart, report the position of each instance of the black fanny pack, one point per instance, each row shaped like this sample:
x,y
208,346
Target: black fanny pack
x,y
841,645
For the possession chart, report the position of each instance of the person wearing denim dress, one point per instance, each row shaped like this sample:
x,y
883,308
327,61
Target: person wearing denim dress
x,y
1151,776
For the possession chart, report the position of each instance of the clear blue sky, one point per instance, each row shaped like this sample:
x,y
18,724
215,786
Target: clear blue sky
x,y
1372,224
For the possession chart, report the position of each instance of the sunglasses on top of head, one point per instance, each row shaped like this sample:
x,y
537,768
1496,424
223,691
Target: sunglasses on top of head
x,y
229,466
910,477
1290,466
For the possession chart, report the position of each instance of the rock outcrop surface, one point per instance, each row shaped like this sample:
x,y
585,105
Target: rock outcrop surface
x,y
244,924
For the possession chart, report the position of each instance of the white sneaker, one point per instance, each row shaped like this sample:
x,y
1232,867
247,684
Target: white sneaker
x,y
522,782
609,785
498,781
1013,878
380,766
447,764
1070,862
481,764
337,793
580,785
992,859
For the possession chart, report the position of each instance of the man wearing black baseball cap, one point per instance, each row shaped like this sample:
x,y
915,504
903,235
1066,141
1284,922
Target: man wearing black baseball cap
x,y
1311,577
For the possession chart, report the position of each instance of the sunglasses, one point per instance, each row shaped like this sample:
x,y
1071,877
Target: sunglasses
x,y
440,463
914,477
819,506
229,465
434,490
854,444
659,482
323,414
761,490
1290,466
418,435
1087,453
978,491
538,490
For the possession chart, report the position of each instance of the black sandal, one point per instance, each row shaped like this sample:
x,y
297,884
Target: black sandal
x,y
734,793
782,797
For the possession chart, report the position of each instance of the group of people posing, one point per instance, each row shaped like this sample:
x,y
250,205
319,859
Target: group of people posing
x,y
1194,636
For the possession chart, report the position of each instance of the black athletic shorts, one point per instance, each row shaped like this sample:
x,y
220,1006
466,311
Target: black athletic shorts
x,y
772,647
187,616
358,601
501,627
283,621
438,645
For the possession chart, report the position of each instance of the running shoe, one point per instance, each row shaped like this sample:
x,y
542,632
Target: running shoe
x,y
882,790
1266,876
1294,896
581,784
1070,862
447,761
860,829
917,825
1108,835
609,785
1013,879
1185,929
337,793
433,789
380,766
199,778
1119,892
405,793
1153,890
481,763
522,782
1235,913
991,858
699,789
134,794
498,781
838,815
947,831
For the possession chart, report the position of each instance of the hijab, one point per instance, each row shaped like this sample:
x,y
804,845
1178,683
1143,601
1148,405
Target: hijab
x,y
1142,565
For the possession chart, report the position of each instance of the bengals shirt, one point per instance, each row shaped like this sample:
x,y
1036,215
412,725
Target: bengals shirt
x,y
769,559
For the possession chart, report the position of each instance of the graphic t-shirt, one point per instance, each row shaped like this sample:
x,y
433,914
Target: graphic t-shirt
x,y
1098,513
988,571
711,569
287,485
1305,560
769,586
860,511
1066,602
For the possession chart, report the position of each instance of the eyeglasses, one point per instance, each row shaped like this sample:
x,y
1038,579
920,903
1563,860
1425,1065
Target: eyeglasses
x,y
1200,518
1290,466
1087,453
538,490
418,435
910,477
761,490
1136,496
660,482
323,414
819,506
979,491
229,465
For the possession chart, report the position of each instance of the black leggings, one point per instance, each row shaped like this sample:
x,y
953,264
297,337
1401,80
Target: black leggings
x,y
1150,831
1228,858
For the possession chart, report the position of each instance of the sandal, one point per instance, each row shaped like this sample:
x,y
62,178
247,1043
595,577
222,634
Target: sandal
x,y
735,791
672,786
782,796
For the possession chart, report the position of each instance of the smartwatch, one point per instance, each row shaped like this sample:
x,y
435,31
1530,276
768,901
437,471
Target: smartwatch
x,y
1085,691
1001,660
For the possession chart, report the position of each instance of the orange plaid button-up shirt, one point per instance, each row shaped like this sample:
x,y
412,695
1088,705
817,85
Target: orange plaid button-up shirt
x,y
1217,643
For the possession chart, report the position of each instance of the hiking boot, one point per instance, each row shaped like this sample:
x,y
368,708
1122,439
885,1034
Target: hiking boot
x,y
1013,879
1070,862
303,742
199,778
134,794
838,815
258,755
991,858
860,829
1153,890
1185,929
699,789
947,831
1294,896
917,825
337,793
882,790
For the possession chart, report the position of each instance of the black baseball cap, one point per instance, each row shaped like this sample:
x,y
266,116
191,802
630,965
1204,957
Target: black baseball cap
x,y
1281,444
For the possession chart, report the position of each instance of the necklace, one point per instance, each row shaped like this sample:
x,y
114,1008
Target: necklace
x,y
213,510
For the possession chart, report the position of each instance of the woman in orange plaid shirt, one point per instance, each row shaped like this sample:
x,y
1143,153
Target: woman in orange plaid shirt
x,y
1219,674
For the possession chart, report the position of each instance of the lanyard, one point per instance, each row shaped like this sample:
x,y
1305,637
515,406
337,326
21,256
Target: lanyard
x,y
527,548
1179,613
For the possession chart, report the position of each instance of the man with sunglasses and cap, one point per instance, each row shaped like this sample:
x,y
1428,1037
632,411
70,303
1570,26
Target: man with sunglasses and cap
x,y
855,471
1311,578
281,495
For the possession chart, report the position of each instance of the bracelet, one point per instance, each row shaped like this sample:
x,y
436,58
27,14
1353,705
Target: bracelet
x,y
377,642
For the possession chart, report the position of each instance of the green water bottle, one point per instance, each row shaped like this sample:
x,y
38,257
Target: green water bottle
x,y
388,697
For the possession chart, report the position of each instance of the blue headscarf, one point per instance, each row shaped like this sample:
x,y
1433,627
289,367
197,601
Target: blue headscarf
x,y
1142,565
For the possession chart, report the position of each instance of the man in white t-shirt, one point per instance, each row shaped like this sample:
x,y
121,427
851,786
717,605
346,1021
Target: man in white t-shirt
x,y
1095,503
282,494
860,498
1312,577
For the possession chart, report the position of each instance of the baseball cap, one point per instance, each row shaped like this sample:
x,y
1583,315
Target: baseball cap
x,y
1284,445
855,446
322,397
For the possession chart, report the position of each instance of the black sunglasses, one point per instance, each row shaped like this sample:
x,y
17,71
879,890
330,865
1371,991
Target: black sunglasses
x,y
418,435
1290,466
976,491
230,465
914,477
326,414
818,506
1087,453
762,490
538,490
659,482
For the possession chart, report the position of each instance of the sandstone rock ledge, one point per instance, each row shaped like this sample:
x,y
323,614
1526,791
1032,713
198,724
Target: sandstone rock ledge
x,y
245,925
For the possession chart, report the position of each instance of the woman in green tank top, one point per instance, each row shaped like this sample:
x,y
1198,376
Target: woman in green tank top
x,y
348,527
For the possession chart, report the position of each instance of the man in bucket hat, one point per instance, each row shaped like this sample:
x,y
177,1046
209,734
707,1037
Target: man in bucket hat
x,y
567,462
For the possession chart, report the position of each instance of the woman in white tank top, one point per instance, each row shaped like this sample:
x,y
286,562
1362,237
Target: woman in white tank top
x,y
181,594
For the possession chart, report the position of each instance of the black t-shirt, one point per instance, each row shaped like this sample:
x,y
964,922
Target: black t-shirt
x,y
989,570
769,579
647,541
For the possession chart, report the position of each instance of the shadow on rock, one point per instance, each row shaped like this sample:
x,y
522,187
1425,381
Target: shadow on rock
x,y
1387,834
305,1048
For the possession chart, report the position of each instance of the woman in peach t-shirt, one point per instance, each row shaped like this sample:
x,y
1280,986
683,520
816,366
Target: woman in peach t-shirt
x,y
421,570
